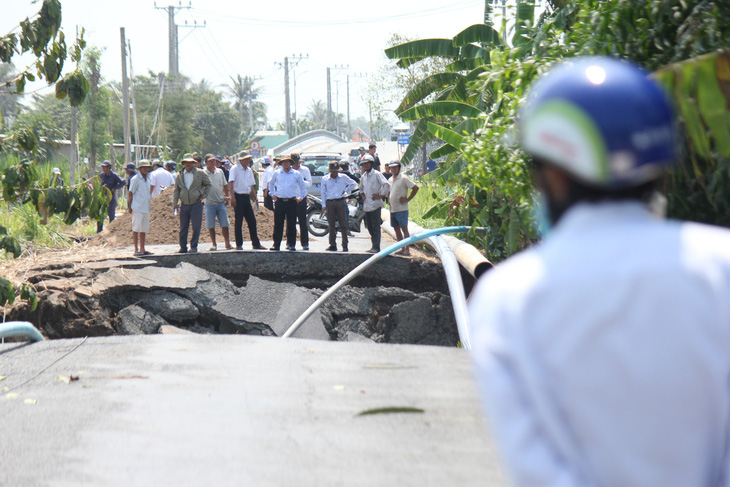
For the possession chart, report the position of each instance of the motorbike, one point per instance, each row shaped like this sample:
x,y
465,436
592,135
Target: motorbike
x,y
317,223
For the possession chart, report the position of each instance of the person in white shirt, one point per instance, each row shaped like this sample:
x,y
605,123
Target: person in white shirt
x,y
302,205
335,189
603,353
398,199
242,185
216,202
138,204
265,180
160,178
373,187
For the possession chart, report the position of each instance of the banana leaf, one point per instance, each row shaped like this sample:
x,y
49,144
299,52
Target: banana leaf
x,y
423,48
428,86
449,136
480,33
440,109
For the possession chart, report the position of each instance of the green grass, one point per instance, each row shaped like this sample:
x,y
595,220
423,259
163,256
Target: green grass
x,y
24,223
428,195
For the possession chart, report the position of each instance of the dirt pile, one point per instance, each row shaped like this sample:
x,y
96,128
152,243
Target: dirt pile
x,y
165,227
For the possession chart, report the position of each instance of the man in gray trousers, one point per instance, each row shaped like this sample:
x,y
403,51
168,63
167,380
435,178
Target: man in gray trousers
x,y
191,188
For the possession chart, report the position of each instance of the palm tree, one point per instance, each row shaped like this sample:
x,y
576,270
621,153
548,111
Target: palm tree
x,y
317,114
244,97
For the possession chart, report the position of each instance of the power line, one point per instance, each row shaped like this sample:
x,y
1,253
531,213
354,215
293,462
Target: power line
x,y
408,15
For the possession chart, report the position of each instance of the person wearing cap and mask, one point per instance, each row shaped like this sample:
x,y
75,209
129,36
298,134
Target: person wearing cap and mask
x,y
170,167
602,352
398,199
265,180
302,205
130,170
242,185
112,181
139,204
373,188
335,189
160,178
191,188
56,179
287,189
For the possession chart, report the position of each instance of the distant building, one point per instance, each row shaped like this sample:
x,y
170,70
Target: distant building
x,y
358,135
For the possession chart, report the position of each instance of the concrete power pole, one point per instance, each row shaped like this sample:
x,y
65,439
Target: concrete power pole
x,y
357,75
329,101
174,42
125,98
289,61
337,115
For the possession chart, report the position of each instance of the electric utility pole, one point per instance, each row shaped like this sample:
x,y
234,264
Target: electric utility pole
x,y
174,43
125,97
338,68
356,75
293,61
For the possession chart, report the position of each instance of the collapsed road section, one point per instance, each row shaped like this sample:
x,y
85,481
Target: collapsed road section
x,y
253,293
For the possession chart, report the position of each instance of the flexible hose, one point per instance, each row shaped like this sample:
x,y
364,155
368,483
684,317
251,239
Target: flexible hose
x,y
372,260
20,329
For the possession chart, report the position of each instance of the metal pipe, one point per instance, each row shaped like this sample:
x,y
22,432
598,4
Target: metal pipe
x,y
372,260
20,329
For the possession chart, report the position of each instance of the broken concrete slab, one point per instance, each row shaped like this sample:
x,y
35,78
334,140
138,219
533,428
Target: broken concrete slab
x,y
184,276
134,320
170,306
174,330
351,336
276,305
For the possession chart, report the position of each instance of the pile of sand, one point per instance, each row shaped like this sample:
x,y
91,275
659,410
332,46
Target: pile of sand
x,y
165,227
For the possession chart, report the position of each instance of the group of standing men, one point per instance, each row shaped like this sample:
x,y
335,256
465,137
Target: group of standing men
x,y
208,191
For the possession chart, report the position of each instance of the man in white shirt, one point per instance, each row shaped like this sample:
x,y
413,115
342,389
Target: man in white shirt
x,y
603,353
242,185
398,199
265,180
335,189
373,187
160,178
302,205
216,202
138,203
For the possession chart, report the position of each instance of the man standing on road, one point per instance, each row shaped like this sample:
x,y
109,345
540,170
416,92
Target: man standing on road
x,y
131,170
216,203
242,185
265,180
287,189
335,189
138,204
602,352
399,198
160,178
191,188
112,181
376,159
373,187
302,205
358,159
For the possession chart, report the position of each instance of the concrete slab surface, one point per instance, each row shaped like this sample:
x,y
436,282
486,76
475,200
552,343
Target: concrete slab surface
x,y
238,410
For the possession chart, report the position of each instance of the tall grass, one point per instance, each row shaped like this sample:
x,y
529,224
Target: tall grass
x,y
428,195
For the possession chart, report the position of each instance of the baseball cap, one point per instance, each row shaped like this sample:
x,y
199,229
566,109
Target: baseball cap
x,y
106,163
130,167
56,170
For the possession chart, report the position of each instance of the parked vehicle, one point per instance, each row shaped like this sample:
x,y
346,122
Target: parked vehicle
x,y
318,224
317,163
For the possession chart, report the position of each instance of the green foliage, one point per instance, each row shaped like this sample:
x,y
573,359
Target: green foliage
x,y
8,294
43,38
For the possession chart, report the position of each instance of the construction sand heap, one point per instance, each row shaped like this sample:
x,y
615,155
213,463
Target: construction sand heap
x,y
165,226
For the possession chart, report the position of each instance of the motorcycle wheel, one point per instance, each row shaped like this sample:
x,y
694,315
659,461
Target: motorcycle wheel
x,y
314,229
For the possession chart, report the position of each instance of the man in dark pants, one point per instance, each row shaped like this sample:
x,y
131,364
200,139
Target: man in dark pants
x,y
302,205
335,189
242,185
373,187
191,188
287,189
113,181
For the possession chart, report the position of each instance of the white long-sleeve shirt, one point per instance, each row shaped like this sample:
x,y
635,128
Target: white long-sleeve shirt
x,y
306,174
603,354
287,184
372,183
335,188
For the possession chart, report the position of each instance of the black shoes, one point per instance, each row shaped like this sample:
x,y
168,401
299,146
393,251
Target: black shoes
x,y
275,249
258,247
331,248
239,248
305,247
291,248
182,251
344,249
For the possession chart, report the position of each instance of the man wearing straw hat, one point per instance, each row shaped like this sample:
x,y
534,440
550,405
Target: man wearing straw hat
x,y
191,188
242,185
138,202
